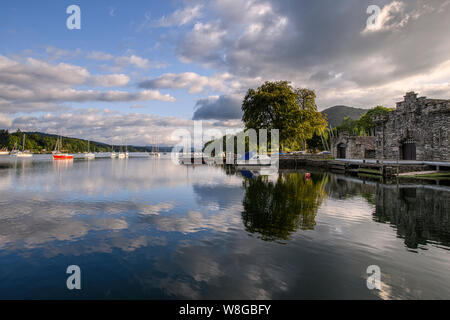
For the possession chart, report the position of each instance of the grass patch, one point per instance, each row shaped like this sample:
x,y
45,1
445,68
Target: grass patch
x,y
371,176
369,171
438,175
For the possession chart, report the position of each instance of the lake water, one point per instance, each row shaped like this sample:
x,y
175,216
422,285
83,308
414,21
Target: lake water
x,y
148,229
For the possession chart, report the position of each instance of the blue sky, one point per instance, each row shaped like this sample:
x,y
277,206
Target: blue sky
x,y
115,28
141,69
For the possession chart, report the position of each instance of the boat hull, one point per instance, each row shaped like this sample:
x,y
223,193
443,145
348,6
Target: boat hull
x,y
62,157
23,155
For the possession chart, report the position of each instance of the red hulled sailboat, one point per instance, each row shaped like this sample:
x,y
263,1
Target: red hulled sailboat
x,y
58,154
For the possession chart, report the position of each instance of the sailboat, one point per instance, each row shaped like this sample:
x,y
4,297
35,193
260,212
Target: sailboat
x,y
23,153
58,154
89,155
155,150
123,155
4,152
113,153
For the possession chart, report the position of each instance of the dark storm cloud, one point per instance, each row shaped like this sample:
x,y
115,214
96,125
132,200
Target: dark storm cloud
x,y
326,44
219,108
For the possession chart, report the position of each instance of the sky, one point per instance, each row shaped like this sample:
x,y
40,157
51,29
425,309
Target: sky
x,y
139,70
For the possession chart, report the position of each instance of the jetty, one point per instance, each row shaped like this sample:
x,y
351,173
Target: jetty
x,y
384,168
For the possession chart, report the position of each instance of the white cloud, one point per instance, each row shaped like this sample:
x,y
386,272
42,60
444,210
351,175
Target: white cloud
x,y
180,17
98,55
112,127
28,85
132,60
113,80
203,43
193,81
392,16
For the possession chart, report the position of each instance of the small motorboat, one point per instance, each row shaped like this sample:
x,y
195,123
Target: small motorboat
x,y
254,159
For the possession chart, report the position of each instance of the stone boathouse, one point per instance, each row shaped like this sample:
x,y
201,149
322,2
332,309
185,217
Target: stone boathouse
x,y
417,130
347,146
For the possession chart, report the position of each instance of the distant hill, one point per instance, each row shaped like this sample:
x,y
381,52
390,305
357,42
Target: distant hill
x,y
335,115
38,141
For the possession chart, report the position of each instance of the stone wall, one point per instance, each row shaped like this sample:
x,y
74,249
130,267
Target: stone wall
x,y
423,123
356,147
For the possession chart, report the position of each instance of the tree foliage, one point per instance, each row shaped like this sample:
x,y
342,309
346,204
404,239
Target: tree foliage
x,y
40,142
277,105
364,125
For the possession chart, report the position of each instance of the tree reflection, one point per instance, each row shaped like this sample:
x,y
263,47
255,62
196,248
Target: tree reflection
x,y
275,210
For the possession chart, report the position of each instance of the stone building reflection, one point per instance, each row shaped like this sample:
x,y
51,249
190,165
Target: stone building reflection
x,y
276,209
420,215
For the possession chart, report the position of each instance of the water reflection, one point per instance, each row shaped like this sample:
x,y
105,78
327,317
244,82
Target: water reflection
x,y
156,230
420,215
275,210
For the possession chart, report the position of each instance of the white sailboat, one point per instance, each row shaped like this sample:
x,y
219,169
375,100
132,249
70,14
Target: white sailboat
x,y
89,155
155,150
113,153
24,153
121,153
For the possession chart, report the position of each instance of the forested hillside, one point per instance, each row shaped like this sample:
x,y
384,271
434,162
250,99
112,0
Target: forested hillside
x,y
335,115
39,142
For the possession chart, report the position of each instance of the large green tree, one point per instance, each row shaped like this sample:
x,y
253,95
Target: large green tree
x,y
277,105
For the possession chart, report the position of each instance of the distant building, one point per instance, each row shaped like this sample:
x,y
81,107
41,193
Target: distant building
x,y
346,146
417,130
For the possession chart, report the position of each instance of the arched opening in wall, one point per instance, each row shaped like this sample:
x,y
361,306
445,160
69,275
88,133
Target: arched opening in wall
x,y
342,151
409,150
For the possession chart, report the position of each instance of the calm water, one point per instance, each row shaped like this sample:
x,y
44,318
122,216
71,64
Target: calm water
x,y
142,228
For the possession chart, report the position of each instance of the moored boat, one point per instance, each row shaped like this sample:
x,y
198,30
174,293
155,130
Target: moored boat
x,y
62,156
58,154
254,159
89,155
24,153
4,152
113,153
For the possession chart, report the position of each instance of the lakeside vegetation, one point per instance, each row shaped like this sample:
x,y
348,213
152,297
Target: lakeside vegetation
x,y
278,105
38,142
